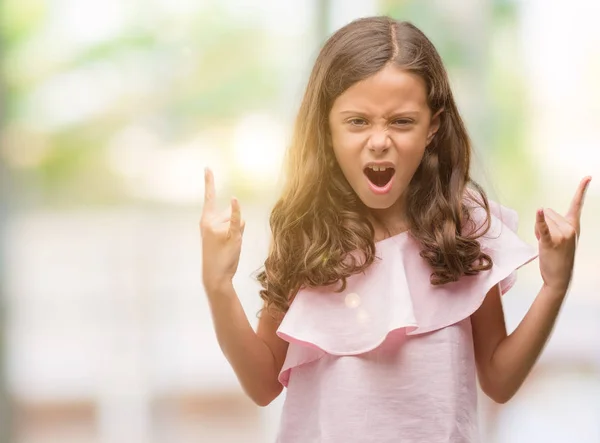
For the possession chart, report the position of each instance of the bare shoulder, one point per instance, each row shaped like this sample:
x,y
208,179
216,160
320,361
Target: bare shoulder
x,y
267,331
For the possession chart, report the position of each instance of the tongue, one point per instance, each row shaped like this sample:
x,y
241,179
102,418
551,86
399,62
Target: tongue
x,y
379,178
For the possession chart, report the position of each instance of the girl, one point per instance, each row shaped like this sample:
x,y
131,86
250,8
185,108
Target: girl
x,y
383,282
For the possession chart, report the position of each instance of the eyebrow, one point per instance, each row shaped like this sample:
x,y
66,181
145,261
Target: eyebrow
x,y
395,114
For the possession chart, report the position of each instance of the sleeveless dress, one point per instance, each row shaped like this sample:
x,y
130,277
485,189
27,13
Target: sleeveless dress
x,y
390,359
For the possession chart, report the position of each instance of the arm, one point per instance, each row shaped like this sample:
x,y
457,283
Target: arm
x,y
256,358
504,362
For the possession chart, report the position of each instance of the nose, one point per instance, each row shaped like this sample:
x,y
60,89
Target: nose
x,y
379,142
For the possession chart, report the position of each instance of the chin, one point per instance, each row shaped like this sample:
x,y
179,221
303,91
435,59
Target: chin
x,y
378,205
378,202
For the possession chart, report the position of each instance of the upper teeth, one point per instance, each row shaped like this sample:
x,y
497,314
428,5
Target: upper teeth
x,y
378,168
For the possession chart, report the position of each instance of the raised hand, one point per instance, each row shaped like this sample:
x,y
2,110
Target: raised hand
x,y
557,237
221,239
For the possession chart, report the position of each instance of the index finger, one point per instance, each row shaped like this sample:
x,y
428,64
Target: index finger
x,y
574,213
235,221
209,192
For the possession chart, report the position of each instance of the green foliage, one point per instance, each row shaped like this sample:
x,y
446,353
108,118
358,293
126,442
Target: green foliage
x,y
211,70
19,19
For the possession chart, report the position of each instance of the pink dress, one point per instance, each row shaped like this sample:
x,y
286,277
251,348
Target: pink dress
x,y
391,358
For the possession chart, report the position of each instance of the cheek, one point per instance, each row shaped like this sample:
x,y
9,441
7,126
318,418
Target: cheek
x,y
348,140
410,143
347,146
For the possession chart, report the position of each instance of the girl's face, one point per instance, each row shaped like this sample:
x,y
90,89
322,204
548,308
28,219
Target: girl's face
x,y
380,128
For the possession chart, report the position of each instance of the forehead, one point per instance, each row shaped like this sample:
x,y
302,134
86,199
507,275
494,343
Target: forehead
x,y
391,89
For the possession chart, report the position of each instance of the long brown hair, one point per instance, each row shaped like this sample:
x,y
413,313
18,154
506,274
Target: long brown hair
x,y
319,220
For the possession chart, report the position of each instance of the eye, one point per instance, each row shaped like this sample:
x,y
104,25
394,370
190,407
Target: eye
x,y
357,121
402,122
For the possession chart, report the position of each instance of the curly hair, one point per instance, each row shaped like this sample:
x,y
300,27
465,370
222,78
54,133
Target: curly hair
x,y
319,220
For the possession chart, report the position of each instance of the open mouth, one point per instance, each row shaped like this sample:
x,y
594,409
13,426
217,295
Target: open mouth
x,y
379,176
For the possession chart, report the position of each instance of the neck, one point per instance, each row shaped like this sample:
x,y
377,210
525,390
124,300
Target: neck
x,y
389,221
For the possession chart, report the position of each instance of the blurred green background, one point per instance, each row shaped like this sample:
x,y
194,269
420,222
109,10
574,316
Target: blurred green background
x,y
94,88
110,112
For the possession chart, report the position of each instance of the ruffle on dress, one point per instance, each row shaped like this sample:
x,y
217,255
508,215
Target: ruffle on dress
x,y
395,293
